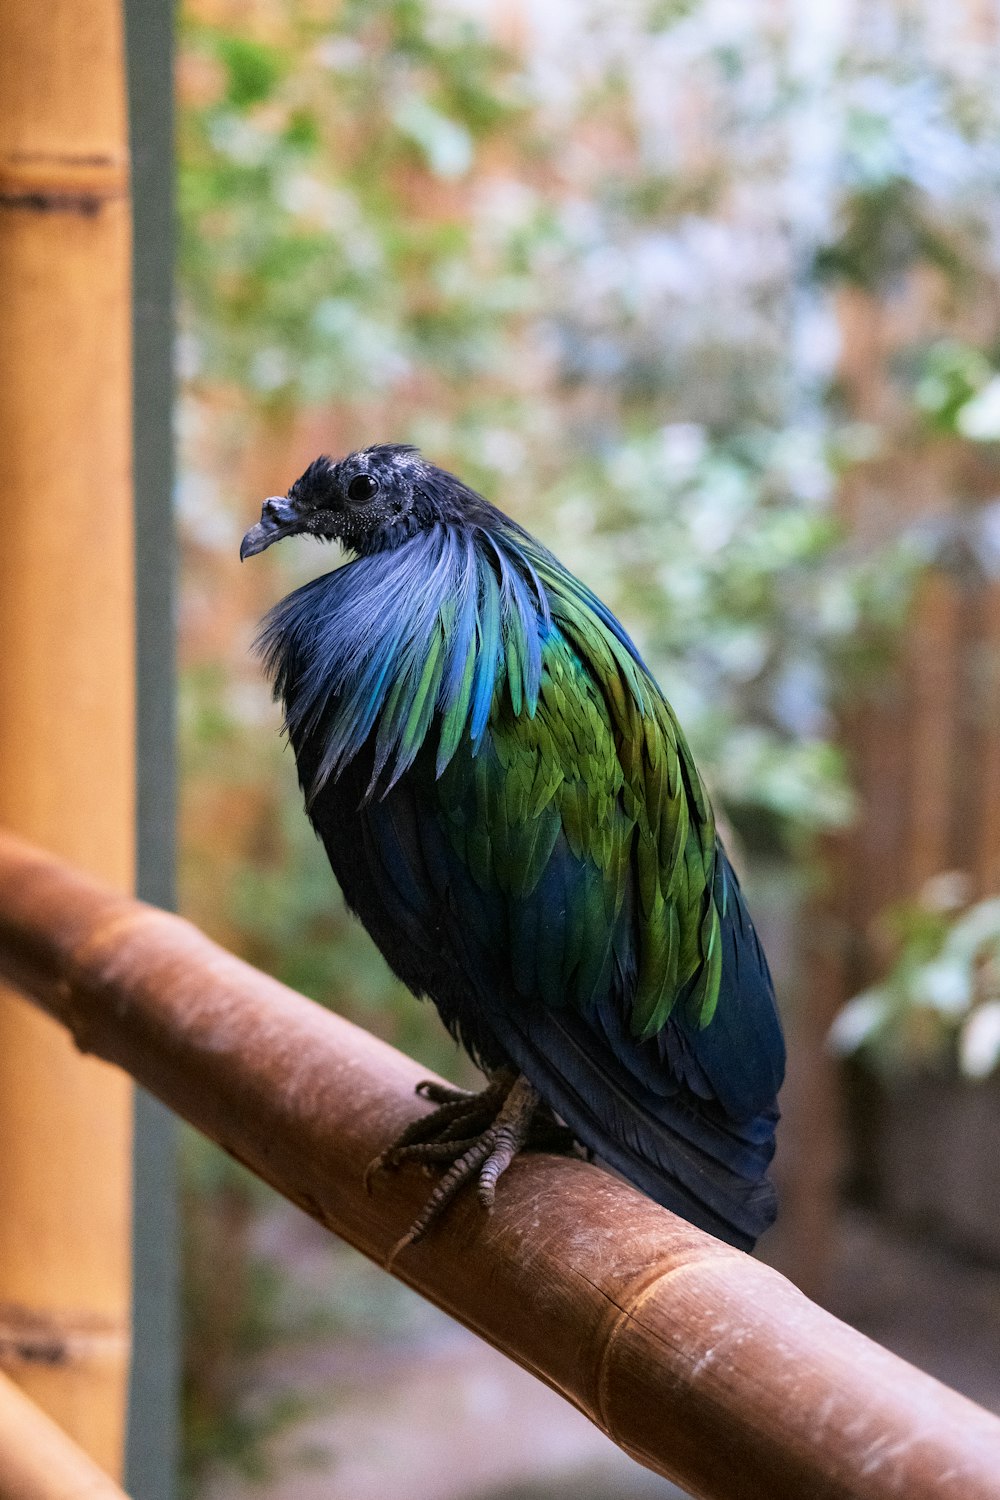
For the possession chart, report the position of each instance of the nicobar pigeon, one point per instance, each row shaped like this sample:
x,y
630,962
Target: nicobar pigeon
x,y
512,811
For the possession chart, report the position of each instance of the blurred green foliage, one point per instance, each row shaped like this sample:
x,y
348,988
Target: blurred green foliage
x,y
386,211
592,269
938,1006
306,274
957,390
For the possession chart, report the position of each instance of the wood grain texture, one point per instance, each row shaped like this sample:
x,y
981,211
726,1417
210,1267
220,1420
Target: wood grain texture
x,y
702,1363
66,679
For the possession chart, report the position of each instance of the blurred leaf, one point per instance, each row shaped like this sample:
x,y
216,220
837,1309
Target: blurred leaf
x,y
939,1003
253,69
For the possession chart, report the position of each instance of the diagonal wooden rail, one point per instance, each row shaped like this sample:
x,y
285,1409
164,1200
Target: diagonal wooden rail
x,y
700,1362
38,1461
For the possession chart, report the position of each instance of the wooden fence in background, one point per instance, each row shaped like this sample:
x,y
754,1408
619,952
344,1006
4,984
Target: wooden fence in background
x,y
923,744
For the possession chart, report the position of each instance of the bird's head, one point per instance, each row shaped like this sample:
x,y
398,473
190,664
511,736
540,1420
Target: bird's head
x,y
369,501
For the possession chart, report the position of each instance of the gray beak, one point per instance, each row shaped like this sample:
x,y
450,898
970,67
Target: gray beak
x,y
278,518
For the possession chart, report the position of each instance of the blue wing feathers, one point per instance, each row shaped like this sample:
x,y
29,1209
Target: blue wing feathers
x,y
509,805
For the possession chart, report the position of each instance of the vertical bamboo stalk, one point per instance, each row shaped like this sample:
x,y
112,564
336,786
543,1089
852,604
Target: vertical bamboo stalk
x,y
66,681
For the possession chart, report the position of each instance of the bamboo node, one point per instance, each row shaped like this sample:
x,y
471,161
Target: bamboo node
x,y
624,1309
63,181
32,1337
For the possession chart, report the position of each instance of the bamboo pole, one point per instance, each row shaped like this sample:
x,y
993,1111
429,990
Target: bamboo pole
x,y
66,681
38,1461
702,1363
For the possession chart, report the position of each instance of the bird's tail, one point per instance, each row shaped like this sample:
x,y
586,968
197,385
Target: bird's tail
x,y
682,1152
696,1167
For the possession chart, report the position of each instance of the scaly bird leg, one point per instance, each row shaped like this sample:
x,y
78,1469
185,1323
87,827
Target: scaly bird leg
x,y
458,1115
480,1134
489,1154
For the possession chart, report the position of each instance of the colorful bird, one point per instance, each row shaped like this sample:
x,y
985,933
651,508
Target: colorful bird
x,y
512,810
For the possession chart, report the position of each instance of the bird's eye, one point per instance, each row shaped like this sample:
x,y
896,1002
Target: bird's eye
x,y
362,487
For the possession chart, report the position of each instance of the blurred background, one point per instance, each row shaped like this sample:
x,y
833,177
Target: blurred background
x,y
706,294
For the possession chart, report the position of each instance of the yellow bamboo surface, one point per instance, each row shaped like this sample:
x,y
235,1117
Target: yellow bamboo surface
x,y
38,1461
66,681
699,1361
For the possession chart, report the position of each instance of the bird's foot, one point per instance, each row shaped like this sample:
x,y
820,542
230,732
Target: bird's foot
x,y
479,1134
460,1115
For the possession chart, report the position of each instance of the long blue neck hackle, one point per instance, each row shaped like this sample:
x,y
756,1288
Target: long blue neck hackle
x,y
434,627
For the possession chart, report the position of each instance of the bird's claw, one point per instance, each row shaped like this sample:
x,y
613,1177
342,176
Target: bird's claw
x,y
442,1093
374,1167
479,1134
457,1110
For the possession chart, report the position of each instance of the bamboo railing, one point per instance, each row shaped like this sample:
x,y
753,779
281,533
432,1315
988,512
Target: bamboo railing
x,y
697,1360
38,1461
67,723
